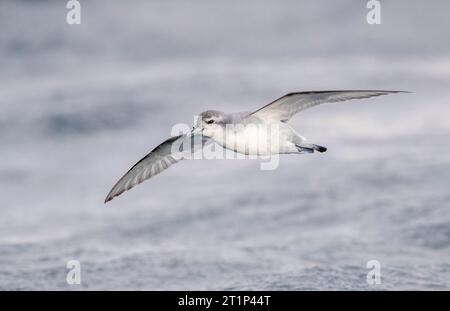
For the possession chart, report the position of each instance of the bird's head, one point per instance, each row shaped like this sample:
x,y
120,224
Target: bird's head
x,y
210,123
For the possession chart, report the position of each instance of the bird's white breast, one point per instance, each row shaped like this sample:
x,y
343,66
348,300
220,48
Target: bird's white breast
x,y
252,139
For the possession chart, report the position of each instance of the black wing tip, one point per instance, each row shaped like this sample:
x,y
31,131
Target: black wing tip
x,y
111,195
388,91
334,91
108,198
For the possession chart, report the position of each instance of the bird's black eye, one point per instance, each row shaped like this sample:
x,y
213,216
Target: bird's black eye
x,y
210,121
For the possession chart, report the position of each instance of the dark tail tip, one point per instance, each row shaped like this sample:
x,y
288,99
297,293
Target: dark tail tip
x,y
319,148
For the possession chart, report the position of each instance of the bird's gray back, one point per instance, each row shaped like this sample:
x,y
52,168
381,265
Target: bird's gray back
x,y
241,118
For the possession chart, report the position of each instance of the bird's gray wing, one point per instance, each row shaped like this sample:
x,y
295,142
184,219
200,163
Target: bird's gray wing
x,y
169,152
285,107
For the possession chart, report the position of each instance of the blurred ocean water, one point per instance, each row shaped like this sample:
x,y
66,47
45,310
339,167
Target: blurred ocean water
x,y
81,104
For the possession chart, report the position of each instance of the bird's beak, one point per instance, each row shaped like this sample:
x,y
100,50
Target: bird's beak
x,y
196,130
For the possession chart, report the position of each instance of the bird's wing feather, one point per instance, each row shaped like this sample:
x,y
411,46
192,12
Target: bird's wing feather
x,y
283,108
167,153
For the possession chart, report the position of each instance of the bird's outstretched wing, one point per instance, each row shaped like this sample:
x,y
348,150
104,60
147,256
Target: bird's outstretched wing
x,y
285,107
169,152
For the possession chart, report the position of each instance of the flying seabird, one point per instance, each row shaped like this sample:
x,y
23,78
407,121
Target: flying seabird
x,y
240,132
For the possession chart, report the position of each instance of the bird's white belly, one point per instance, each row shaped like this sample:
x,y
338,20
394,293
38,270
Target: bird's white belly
x,y
253,140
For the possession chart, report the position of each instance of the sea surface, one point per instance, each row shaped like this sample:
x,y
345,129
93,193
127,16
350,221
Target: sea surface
x,y
80,104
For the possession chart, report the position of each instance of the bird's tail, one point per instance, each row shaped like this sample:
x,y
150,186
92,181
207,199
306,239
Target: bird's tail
x,y
319,148
309,148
